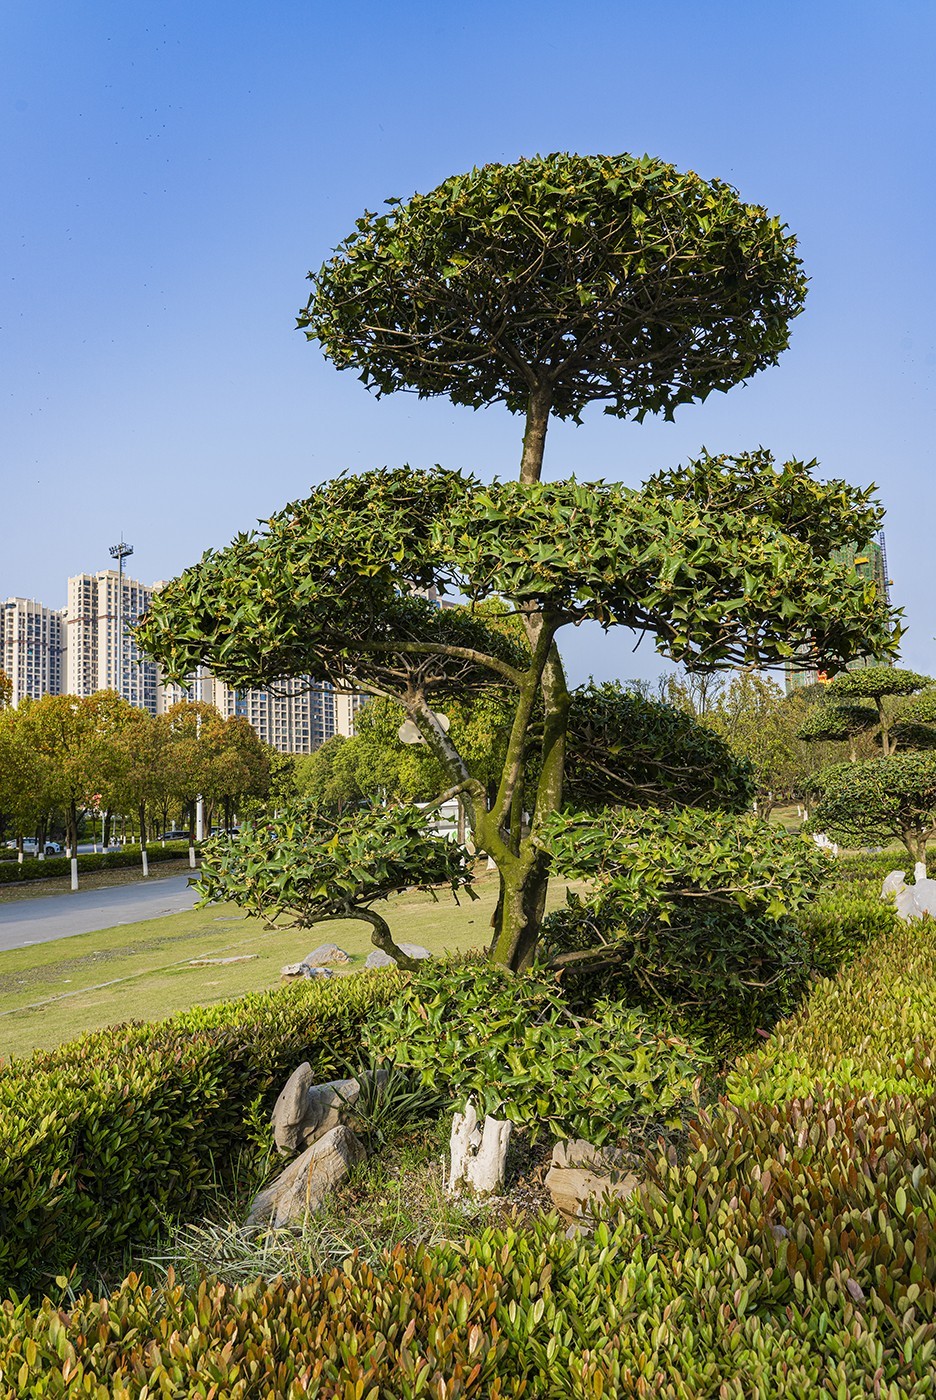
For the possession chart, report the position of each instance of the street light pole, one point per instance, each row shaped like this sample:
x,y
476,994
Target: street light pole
x,y
120,552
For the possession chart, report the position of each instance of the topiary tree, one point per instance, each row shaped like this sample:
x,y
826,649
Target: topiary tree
x,y
545,286
875,800
298,869
557,282
874,700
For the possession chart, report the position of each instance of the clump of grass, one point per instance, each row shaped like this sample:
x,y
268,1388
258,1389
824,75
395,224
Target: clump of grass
x,y
397,1197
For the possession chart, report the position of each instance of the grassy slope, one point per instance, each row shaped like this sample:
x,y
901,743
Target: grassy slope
x,y
146,964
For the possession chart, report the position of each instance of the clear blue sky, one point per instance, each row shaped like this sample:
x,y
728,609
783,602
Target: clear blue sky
x,y
171,169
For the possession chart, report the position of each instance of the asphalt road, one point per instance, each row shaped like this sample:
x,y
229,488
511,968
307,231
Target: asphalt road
x,y
61,915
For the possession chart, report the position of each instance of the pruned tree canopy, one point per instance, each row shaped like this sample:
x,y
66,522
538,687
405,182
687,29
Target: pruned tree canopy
x,y
612,278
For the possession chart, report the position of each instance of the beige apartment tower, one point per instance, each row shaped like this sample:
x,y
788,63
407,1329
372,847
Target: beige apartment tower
x,y
32,648
99,619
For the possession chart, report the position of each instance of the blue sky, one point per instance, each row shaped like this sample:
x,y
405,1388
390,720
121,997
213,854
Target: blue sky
x,y
171,171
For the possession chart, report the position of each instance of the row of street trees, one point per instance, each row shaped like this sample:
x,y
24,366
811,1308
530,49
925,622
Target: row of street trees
x,y
64,756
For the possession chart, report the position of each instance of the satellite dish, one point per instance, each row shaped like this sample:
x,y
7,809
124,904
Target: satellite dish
x,y
409,734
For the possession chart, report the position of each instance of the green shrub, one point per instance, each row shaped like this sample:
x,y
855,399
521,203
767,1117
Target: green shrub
x,y
742,1306
689,911
838,926
35,869
514,1045
102,1139
871,1030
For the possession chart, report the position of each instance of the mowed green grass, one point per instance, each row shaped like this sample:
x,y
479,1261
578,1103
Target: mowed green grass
x,y
52,992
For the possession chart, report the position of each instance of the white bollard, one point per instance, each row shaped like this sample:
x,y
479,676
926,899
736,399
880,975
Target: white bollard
x,y
74,872
145,863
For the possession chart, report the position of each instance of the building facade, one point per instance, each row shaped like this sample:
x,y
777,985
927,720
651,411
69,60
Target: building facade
x,y
32,648
293,716
100,649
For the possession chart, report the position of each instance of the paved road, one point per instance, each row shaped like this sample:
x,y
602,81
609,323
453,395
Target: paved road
x,y
61,915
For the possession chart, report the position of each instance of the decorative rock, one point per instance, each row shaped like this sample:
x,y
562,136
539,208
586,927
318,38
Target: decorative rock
x,y
919,872
302,1187
914,901
893,884
326,953
824,844
378,958
582,1174
306,1111
478,1155
305,971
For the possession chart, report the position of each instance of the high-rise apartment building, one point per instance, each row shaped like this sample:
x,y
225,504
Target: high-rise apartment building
x,y
100,649
293,716
32,648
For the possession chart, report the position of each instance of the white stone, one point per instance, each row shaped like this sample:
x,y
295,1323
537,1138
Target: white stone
x,y
893,884
919,871
378,958
915,901
478,1155
303,970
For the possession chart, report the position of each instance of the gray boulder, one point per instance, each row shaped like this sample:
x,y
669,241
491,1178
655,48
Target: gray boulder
x,y
306,1111
302,1187
378,958
326,954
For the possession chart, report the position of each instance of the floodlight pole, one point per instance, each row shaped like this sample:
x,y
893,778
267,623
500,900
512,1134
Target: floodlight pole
x,y
120,552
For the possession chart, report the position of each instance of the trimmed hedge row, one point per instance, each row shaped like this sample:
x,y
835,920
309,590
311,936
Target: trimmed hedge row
x,y
871,1030
792,1255
103,1138
34,869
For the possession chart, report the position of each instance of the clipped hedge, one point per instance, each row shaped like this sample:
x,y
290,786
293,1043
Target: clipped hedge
x,y
103,1138
736,1275
35,869
871,1030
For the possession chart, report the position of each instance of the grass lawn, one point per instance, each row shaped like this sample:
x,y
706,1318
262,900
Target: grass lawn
x,y
52,992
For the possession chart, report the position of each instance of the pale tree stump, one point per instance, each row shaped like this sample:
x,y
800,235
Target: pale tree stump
x,y
478,1154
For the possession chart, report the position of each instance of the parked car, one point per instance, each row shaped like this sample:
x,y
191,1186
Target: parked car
x,y
225,830
174,836
53,848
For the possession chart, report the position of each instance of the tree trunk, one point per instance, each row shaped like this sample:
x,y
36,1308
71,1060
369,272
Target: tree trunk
x,y
72,829
534,438
520,910
141,812
915,842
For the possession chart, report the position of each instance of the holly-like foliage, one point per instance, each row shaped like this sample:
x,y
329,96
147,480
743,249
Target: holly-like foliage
x,y
628,750
689,909
871,802
613,278
298,869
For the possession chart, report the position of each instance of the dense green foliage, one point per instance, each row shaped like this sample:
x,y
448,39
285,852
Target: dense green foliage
x,y
297,868
788,1252
626,749
870,1031
615,278
689,910
105,1138
872,801
516,1048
